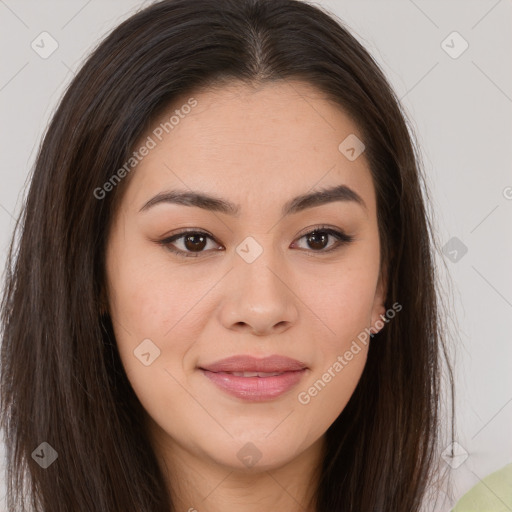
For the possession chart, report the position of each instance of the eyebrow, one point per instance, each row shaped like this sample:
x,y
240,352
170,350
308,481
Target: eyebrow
x,y
216,204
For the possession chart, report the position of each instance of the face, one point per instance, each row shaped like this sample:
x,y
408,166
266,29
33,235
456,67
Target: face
x,y
267,276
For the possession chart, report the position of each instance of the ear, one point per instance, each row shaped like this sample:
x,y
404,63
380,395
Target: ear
x,y
379,307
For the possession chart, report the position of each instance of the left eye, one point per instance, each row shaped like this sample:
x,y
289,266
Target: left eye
x,y
194,242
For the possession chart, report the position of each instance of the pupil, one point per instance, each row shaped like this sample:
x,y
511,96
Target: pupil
x,y
317,234
195,246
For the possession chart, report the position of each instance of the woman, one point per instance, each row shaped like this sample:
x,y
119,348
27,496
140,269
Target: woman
x,y
224,293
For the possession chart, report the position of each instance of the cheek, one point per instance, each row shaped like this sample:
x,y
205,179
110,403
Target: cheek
x,y
153,316
146,295
146,303
340,357
344,304
329,390
147,306
344,300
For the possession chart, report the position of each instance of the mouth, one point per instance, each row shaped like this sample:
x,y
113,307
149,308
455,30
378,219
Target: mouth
x,y
253,379
253,374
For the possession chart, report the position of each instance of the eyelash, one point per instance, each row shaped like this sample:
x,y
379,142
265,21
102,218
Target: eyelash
x,y
342,240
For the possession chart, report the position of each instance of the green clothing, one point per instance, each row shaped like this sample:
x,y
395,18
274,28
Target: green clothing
x,y
492,494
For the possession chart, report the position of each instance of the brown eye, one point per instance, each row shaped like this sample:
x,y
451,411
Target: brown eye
x,y
318,239
193,243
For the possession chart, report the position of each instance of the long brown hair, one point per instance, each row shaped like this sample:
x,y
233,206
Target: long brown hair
x,y
62,379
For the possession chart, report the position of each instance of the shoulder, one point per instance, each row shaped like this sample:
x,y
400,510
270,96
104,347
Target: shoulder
x,y
493,493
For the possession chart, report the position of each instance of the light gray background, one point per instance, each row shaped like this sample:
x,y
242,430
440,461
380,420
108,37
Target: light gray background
x,y
460,110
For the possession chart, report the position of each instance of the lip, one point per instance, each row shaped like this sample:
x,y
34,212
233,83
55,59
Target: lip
x,y
255,389
246,363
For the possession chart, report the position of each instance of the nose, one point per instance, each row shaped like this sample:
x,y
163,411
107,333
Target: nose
x,y
260,299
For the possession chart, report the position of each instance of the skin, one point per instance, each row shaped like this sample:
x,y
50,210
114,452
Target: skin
x,y
257,147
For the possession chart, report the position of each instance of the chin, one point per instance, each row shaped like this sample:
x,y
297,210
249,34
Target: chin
x,y
255,454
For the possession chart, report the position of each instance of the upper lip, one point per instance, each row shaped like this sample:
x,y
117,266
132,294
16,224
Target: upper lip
x,y
245,363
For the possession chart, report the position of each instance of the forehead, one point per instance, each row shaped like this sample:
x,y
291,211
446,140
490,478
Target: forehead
x,y
250,143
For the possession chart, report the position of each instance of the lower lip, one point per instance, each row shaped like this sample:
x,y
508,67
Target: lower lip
x,y
255,389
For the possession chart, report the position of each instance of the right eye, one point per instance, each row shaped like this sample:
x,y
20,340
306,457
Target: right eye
x,y
193,243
